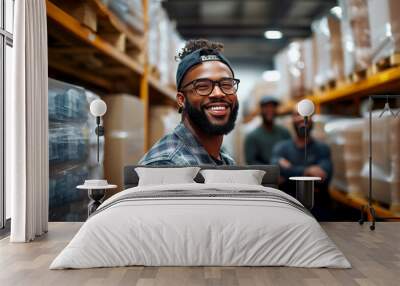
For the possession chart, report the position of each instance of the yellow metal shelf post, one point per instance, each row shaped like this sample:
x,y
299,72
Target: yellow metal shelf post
x,y
144,81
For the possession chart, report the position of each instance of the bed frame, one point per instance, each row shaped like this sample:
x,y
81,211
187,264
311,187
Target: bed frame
x,y
270,178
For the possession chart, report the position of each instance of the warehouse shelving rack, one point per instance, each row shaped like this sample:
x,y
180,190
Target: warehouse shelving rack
x,y
111,59
379,82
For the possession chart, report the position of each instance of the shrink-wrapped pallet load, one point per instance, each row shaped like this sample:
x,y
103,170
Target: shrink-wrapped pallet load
x,y
71,143
129,11
345,139
281,62
296,67
395,164
355,35
163,120
328,43
300,67
353,156
384,22
176,44
164,44
385,159
309,59
154,37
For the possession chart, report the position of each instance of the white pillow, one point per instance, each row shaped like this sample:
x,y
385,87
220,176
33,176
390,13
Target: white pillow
x,y
248,177
163,176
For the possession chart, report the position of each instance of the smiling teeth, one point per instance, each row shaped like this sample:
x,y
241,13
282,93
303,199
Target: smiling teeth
x,y
218,108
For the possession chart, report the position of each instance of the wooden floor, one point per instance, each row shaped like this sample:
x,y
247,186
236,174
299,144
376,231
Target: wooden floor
x,y
375,257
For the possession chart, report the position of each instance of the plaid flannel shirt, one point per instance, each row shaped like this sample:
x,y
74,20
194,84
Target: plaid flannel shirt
x,y
181,148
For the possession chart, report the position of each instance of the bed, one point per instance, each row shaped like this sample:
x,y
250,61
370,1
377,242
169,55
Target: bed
x,y
201,224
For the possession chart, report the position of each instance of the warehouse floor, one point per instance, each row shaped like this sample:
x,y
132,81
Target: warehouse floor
x,y
374,255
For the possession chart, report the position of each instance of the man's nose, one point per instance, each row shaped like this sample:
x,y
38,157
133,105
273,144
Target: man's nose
x,y
217,92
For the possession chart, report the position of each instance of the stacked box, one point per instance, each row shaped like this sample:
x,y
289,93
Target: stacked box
x,y
124,136
384,24
345,140
71,137
385,159
164,44
129,11
154,34
356,35
319,123
353,156
281,62
328,44
296,69
163,120
309,63
67,143
66,202
395,165
176,44
301,67
295,65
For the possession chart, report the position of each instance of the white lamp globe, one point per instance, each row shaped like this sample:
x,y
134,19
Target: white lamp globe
x,y
98,107
305,107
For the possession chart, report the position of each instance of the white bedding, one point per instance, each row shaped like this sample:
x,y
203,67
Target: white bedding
x,y
185,230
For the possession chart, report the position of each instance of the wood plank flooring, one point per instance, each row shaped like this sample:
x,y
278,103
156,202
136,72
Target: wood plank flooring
x,y
375,257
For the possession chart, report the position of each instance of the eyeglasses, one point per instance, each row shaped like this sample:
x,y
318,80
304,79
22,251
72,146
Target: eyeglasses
x,y
205,86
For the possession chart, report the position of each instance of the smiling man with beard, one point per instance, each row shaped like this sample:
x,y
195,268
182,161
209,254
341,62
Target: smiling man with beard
x,y
207,100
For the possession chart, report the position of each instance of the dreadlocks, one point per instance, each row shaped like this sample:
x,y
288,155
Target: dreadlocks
x,y
193,45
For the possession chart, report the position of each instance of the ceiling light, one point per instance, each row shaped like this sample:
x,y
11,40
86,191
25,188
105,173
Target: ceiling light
x,y
272,75
337,11
273,35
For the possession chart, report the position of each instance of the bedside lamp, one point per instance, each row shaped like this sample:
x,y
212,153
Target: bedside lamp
x,y
305,108
96,188
305,184
98,108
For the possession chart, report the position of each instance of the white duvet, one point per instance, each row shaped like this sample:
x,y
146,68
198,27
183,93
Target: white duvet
x,y
206,230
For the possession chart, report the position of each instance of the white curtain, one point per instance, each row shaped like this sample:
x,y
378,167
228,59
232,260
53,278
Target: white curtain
x,y
27,124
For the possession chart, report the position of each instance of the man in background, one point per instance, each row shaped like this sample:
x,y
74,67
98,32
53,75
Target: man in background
x,y
260,142
207,100
289,155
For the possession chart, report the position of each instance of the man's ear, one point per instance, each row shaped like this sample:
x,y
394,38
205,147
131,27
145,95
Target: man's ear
x,y
180,99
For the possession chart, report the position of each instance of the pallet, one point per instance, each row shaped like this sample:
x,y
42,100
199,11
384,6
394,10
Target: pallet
x,y
357,76
96,16
357,202
155,72
329,85
384,64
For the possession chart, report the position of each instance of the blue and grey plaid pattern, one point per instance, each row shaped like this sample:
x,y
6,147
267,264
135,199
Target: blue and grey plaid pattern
x,y
181,148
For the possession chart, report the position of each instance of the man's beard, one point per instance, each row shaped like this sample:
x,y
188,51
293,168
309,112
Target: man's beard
x,y
200,119
267,121
301,131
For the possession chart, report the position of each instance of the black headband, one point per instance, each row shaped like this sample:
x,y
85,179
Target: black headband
x,y
195,58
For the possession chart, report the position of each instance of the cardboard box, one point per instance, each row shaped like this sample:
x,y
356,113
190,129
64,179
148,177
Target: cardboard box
x,y
124,136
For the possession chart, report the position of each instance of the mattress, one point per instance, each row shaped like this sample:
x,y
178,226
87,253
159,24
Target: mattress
x,y
201,225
